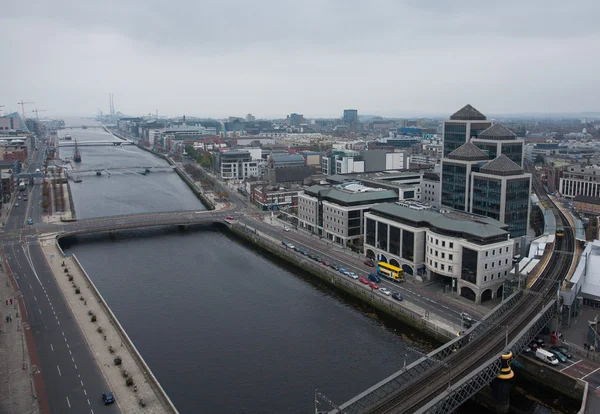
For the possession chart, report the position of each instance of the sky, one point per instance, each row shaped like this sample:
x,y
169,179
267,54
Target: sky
x,y
315,57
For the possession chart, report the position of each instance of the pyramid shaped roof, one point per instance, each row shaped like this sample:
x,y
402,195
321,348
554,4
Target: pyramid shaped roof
x,y
497,131
468,152
502,165
468,113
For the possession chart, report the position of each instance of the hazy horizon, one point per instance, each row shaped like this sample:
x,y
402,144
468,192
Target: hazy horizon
x,y
271,58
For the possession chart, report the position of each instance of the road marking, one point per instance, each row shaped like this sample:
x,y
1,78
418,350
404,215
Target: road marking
x,y
88,400
58,322
79,376
65,339
57,367
73,359
62,332
68,402
583,378
40,311
67,345
70,353
51,347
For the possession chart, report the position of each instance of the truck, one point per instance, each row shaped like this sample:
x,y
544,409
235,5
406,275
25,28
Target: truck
x,y
546,356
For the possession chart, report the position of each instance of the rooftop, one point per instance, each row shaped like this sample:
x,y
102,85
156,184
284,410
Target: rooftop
x,y
468,226
468,113
502,165
344,196
468,152
497,132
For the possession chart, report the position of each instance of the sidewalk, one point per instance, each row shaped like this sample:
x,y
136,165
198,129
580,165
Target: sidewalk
x,y
16,387
102,335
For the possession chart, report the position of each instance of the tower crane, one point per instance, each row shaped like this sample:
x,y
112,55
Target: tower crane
x,y
36,112
23,103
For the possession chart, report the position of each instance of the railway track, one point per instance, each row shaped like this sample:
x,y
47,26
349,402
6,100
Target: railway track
x,y
481,349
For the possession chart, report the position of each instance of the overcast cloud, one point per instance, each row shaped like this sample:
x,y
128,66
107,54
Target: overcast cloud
x,y
272,57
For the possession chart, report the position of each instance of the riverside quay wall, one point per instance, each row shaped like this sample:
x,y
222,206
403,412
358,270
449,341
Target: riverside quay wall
x,y
400,311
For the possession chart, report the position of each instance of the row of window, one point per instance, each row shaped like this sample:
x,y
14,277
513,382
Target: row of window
x,y
492,275
437,242
499,263
443,255
494,251
441,267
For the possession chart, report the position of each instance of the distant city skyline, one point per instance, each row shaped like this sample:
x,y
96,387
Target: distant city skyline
x,y
317,58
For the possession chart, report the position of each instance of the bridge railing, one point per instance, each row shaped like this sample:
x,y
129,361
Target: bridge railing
x,y
462,390
395,382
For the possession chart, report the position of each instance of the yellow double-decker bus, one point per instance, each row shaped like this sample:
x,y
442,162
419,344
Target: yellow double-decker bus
x,y
395,274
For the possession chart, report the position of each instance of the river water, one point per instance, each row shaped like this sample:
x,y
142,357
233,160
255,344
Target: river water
x,y
225,328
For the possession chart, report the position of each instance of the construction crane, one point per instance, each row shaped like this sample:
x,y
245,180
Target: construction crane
x,y
35,111
23,103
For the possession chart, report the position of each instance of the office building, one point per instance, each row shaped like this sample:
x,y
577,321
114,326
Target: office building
x,y
466,123
580,180
484,175
350,115
430,187
471,255
338,213
236,165
498,140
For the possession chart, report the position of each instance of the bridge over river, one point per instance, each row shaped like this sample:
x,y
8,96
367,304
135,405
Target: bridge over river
x,y
104,143
442,380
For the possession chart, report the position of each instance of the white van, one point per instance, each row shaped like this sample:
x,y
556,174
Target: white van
x,y
546,356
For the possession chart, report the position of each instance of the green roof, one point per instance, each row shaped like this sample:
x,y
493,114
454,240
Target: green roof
x,y
468,229
348,197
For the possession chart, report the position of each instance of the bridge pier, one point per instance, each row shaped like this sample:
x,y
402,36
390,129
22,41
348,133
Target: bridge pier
x,y
501,385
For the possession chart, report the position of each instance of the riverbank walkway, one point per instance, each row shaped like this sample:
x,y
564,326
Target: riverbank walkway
x,y
105,338
17,394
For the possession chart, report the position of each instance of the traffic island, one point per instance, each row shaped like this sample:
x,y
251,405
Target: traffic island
x,y
135,388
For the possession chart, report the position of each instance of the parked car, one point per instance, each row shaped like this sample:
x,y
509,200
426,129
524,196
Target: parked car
x,y
229,218
108,398
373,285
397,296
563,351
540,342
352,275
534,346
286,228
363,280
559,355
342,270
334,267
325,263
291,246
369,262
318,259
385,291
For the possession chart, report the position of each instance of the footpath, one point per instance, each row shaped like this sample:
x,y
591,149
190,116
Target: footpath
x,y
17,393
135,388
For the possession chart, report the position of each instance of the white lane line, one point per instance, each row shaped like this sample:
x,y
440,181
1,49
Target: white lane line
x,y
92,411
40,311
33,295
79,376
65,339
63,333
67,345
58,322
583,378
56,317
70,353
73,359
88,400
68,402
57,367
51,347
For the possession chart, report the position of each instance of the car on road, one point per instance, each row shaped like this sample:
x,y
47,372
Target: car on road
x,y
363,280
534,346
370,262
318,259
353,275
29,221
385,291
286,228
397,296
563,351
16,204
291,246
373,285
305,252
559,355
108,398
540,342
325,263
